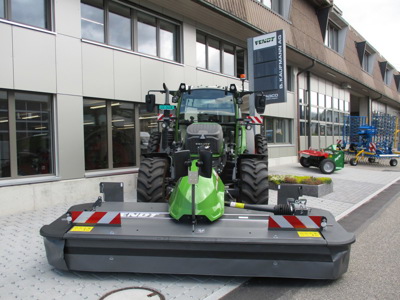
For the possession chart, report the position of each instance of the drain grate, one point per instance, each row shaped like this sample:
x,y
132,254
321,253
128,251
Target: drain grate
x,y
136,293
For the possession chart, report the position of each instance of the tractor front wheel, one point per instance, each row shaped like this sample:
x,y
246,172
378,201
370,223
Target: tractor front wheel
x,y
393,162
151,185
253,181
327,166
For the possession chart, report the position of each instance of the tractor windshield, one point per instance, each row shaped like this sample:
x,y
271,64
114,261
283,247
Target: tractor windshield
x,y
207,105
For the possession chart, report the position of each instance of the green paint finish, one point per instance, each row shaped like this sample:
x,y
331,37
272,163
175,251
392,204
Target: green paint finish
x,y
209,197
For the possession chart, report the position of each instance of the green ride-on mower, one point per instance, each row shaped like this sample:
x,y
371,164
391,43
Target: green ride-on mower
x,y
202,209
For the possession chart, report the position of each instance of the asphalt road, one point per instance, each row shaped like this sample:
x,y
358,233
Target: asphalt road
x,y
374,270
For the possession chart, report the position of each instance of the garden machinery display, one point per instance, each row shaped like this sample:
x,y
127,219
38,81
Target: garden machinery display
x,y
202,205
327,160
370,143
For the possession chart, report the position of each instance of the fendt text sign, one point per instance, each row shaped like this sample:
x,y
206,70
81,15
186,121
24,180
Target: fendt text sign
x,y
267,66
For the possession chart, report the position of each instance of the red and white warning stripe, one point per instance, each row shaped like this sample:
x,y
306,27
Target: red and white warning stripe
x,y
295,222
96,217
160,117
255,120
372,147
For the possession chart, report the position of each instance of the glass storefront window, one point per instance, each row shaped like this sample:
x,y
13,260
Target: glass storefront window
x,y
120,26
147,34
329,131
314,113
303,112
148,124
321,100
314,129
92,20
328,102
269,130
335,103
322,114
95,131
322,128
34,135
4,137
314,98
123,134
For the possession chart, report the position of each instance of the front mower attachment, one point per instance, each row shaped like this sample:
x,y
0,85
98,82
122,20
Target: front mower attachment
x,y
143,238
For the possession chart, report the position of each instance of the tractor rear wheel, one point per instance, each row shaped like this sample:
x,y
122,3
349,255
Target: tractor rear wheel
x,y
327,166
305,162
253,187
154,142
151,185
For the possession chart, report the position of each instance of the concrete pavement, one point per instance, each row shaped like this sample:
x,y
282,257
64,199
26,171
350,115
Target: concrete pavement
x,y
25,273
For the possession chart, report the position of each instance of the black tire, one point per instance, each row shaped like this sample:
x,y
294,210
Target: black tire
x,y
154,142
327,166
261,145
371,160
393,162
253,186
151,185
305,162
353,162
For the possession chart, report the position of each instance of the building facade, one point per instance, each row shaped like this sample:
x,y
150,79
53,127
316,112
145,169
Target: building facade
x,y
74,74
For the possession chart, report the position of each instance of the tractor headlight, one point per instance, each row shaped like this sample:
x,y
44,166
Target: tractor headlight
x,y
233,88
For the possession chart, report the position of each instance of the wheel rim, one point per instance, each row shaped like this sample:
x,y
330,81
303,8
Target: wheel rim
x,y
329,167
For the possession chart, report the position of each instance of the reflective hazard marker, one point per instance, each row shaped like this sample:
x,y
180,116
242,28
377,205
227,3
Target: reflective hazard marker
x,y
255,120
296,222
94,217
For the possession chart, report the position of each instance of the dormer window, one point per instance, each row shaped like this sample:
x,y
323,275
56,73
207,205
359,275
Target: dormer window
x,y
332,37
366,55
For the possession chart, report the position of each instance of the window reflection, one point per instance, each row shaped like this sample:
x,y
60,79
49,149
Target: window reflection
x,y
4,137
148,124
95,131
92,21
201,51
34,136
229,60
120,26
214,59
147,42
2,9
31,12
123,134
167,40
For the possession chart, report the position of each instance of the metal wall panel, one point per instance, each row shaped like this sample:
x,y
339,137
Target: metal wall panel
x,y
34,60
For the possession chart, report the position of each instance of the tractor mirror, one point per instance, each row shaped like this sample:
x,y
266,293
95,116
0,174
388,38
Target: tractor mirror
x,y
180,163
260,103
205,168
150,102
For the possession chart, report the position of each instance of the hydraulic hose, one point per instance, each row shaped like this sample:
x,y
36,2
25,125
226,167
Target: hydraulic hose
x,y
280,209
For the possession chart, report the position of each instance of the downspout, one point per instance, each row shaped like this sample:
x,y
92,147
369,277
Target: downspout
x,y
298,102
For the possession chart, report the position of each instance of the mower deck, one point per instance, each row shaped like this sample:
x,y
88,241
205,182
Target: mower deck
x,y
239,244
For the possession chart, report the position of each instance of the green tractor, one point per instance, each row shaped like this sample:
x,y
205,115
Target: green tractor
x,y
206,153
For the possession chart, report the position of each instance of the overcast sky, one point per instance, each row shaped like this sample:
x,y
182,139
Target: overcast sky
x,y
378,22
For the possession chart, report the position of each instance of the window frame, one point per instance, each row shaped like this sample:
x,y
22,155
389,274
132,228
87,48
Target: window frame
x,y
222,44
13,139
332,42
134,45
49,15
